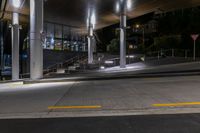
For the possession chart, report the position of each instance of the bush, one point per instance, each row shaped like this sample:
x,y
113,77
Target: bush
x,y
114,46
166,42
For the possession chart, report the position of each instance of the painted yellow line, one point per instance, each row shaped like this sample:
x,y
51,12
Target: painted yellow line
x,y
176,104
74,107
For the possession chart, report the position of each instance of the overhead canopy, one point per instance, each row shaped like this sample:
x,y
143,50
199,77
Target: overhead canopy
x,y
75,12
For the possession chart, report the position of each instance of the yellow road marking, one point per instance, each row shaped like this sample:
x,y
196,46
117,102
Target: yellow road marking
x,y
74,107
176,104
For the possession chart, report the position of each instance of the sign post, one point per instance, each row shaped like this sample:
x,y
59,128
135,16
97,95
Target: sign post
x,y
194,37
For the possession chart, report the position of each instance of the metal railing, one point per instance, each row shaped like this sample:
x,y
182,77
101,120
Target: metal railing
x,y
170,53
54,68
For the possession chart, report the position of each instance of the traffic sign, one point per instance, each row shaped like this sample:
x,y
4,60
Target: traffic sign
x,y
195,36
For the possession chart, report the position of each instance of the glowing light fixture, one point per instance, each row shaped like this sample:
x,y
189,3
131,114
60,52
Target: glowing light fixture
x,y
15,18
129,4
109,62
52,40
16,3
137,26
93,20
117,7
102,67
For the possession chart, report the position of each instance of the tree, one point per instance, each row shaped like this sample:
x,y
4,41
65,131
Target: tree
x,y
166,42
114,46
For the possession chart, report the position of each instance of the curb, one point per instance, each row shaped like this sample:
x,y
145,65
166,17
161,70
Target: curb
x,y
112,77
101,113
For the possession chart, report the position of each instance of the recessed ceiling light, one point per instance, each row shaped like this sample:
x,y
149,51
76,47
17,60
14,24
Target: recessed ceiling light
x,y
16,3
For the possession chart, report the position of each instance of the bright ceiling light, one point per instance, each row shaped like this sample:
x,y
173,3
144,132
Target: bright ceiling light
x,y
93,19
117,7
88,22
129,4
16,3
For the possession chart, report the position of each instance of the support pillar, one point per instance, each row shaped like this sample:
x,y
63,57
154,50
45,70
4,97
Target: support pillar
x,y
122,41
36,29
2,48
90,45
15,46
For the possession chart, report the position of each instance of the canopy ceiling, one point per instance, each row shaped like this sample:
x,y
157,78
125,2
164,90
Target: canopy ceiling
x,y
74,12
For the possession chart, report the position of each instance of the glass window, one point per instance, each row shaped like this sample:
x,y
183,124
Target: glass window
x,y
66,45
50,30
73,44
66,32
83,47
60,37
50,43
58,44
77,47
45,28
58,31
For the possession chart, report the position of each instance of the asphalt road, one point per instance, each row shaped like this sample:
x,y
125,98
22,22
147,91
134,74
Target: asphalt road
x,y
185,123
100,98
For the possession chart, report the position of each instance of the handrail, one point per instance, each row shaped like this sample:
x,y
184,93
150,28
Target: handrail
x,y
165,50
56,66
59,65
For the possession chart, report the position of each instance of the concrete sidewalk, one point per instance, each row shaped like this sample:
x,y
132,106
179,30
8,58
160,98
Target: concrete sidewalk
x,y
132,71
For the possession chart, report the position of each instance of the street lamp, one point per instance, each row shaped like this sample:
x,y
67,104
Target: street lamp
x,y
137,26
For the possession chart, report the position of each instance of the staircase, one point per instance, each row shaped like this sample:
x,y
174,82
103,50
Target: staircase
x,y
75,64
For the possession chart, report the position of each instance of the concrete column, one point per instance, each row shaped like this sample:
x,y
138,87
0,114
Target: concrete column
x,y
2,48
122,41
15,46
90,45
36,49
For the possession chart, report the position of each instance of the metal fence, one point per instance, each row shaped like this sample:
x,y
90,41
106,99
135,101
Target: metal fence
x,y
171,53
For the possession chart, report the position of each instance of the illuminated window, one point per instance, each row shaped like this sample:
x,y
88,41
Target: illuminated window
x,y
58,44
